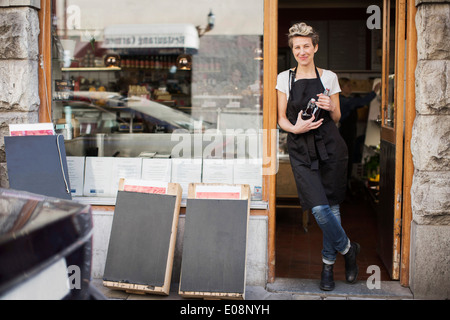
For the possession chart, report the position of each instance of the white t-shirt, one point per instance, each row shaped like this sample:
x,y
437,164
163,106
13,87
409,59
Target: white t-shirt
x,y
329,80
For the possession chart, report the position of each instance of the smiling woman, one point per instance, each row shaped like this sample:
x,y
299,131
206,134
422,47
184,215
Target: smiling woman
x,y
317,152
303,50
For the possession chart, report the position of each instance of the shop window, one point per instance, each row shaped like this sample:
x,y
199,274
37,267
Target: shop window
x,y
156,82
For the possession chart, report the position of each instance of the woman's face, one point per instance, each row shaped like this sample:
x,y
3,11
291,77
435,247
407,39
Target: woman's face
x,y
304,50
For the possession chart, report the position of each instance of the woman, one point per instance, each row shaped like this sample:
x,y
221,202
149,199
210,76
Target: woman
x,y
317,152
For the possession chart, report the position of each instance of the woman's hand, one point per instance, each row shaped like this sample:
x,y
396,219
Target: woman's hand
x,y
302,126
331,104
324,102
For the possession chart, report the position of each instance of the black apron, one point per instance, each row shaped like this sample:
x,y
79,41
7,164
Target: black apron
x,y
318,157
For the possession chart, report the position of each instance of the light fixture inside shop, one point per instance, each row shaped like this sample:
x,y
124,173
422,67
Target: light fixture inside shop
x,y
112,60
258,54
184,62
209,26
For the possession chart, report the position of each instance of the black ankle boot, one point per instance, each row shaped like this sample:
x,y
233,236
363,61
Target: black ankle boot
x,y
327,281
351,268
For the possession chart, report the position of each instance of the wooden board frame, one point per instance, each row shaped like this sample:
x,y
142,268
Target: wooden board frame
x,y
173,189
245,194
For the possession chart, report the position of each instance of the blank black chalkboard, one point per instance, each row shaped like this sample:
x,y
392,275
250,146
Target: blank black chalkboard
x,y
142,242
38,164
214,248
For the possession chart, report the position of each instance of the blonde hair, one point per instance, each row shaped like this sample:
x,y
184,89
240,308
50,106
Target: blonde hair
x,y
303,30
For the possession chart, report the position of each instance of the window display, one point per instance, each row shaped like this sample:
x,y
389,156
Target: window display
x,y
129,80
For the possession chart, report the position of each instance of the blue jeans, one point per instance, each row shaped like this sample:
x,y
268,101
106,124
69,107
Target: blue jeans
x,y
334,237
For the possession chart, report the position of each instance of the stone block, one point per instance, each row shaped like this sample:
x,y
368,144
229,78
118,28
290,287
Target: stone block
x,y
433,32
19,31
257,239
14,3
432,87
429,271
4,181
419,2
19,85
430,197
32,3
430,146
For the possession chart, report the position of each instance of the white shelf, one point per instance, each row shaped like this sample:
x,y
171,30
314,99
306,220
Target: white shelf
x,y
92,69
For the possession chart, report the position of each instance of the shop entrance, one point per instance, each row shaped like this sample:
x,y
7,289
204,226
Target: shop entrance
x,y
365,56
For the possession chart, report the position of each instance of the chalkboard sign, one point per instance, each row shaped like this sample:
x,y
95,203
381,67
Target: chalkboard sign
x,y
142,242
215,240
38,164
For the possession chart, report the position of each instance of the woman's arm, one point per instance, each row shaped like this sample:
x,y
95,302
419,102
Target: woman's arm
x,y
301,126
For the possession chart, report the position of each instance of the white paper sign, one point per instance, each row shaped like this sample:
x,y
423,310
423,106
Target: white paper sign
x,y
127,168
185,171
75,167
157,169
218,171
97,176
249,171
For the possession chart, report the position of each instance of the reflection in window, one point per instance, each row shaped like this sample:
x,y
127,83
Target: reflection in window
x,y
118,73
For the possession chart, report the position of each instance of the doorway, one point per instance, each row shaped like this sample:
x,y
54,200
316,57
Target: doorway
x,y
350,49
299,245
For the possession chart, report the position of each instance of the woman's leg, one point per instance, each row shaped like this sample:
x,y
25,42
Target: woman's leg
x,y
336,211
334,237
328,250
334,240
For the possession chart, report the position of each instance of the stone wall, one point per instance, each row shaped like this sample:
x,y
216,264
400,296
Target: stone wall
x,y
430,146
19,62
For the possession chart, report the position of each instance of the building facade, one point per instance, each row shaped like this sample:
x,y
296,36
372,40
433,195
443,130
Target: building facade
x,y
24,87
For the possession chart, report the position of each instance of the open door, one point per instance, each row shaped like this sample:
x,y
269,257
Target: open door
x,y
392,136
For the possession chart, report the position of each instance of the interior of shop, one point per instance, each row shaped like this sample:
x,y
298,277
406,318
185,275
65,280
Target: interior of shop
x,y
353,51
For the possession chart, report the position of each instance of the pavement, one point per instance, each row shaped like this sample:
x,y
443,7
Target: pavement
x,y
285,289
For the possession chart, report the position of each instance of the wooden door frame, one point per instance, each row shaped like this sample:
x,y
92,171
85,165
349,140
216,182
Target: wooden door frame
x,y
45,61
404,97
404,101
410,115
394,135
270,72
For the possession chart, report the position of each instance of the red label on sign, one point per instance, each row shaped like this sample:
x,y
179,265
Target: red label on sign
x,y
218,195
145,189
32,133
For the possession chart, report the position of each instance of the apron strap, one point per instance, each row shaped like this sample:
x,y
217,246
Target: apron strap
x,y
316,149
321,147
292,75
312,150
318,137
317,74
